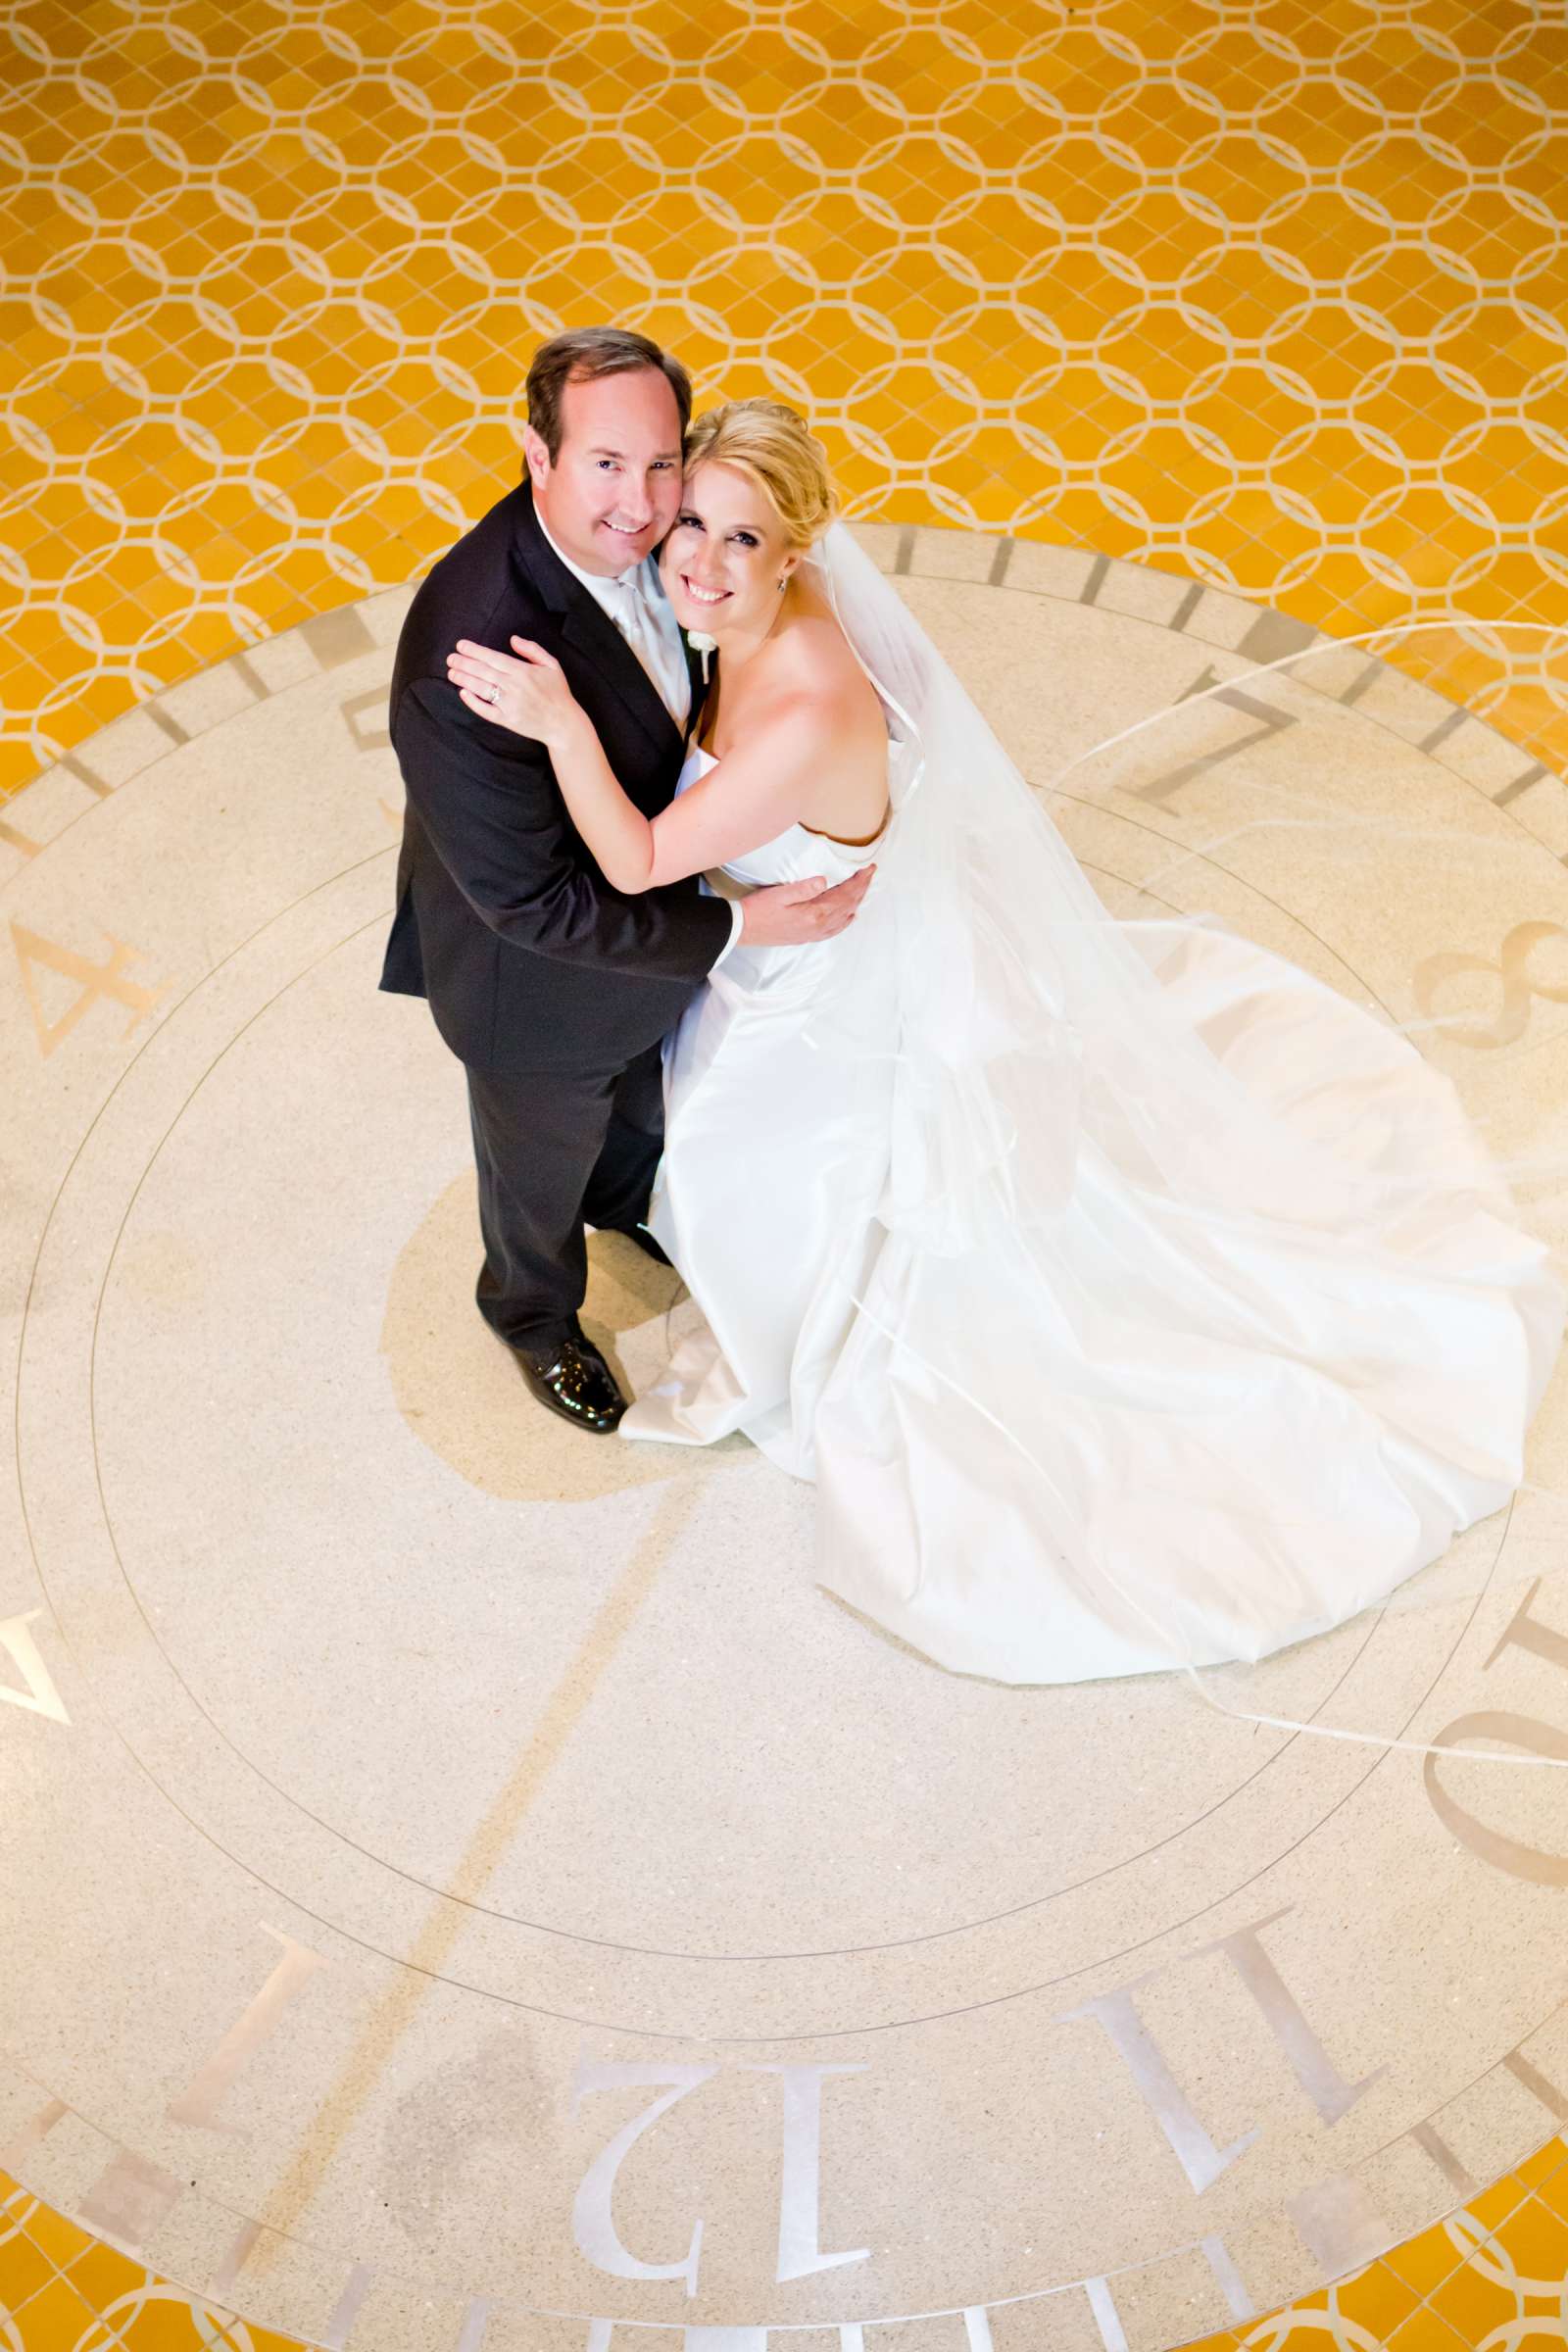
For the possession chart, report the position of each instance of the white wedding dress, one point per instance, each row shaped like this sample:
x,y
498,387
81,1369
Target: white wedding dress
x,y
775,1157
1134,1299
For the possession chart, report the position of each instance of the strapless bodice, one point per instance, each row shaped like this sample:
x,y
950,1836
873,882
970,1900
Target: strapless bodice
x,y
794,855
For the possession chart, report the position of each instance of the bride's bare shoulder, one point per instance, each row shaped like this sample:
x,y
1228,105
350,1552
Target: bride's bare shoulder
x,y
825,669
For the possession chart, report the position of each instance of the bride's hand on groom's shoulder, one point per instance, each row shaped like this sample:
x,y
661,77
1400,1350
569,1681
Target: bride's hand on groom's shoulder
x,y
525,691
799,914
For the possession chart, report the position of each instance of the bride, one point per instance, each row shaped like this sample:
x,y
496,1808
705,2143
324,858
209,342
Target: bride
x,y
1132,1299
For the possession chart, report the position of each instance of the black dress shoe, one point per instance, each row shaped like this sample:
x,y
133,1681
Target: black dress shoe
x,y
578,1385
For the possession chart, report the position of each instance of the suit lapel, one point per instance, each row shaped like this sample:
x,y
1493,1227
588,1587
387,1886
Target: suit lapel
x,y
588,627
694,671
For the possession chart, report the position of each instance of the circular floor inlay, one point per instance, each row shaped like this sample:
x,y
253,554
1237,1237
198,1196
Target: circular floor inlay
x,y
466,1856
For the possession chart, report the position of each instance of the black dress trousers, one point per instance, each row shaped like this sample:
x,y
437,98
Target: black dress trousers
x,y
553,1149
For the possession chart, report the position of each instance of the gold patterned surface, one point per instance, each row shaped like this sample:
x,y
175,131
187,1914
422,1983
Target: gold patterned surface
x,y
1492,2278
63,2291
1271,295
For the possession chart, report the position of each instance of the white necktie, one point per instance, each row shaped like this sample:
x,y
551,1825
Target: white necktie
x,y
632,619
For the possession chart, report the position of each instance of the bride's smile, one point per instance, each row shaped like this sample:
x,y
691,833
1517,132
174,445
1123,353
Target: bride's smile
x,y
727,558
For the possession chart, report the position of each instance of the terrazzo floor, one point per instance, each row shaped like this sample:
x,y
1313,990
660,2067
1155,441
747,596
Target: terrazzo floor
x,y
404,1808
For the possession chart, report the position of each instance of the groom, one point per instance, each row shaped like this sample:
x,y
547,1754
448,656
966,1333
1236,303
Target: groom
x,y
553,990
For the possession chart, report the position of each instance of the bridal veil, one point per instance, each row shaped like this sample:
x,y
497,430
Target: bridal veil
x,y
1198,1316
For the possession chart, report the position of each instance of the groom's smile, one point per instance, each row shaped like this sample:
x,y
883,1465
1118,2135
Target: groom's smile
x,y
635,538
613,489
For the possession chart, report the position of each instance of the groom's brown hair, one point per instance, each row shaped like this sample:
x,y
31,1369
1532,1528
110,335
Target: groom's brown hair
x,y
585,352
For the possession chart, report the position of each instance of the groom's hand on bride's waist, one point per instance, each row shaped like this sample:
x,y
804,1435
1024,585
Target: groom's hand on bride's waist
x,y
797,915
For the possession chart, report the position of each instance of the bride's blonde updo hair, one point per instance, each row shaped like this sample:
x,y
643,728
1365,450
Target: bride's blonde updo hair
x,y
769,441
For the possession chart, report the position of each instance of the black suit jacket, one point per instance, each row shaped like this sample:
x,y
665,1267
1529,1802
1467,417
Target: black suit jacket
x,y
529,959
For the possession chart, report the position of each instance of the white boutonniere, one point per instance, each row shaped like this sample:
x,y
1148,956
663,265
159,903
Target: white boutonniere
x,y
702,645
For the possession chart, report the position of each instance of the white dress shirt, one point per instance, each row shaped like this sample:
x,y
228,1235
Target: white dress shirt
x,y
635,601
